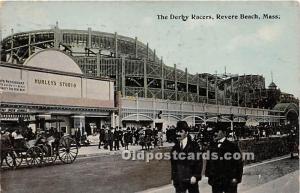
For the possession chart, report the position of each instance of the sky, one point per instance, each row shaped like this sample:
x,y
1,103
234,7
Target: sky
x,y
258,46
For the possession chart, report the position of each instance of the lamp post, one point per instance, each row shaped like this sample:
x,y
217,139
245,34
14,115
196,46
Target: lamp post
x,y
1,91
137,106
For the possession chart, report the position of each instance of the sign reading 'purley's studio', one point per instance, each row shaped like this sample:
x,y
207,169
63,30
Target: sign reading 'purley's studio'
x,y
55,83
40,83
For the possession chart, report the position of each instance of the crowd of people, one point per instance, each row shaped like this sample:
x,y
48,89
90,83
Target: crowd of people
x,y
147,137
238,132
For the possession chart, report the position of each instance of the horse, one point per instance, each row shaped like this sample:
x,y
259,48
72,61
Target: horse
x,y
7,148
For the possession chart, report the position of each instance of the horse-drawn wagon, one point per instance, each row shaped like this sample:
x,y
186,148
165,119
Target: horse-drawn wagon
x,y
45,148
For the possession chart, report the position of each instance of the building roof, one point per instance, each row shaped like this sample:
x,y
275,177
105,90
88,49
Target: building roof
x,y
53,59
285,106
272,85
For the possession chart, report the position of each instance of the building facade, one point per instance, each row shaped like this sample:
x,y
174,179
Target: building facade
x,y
50,86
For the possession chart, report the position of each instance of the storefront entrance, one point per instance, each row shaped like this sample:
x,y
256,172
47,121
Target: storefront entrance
x,y
93,124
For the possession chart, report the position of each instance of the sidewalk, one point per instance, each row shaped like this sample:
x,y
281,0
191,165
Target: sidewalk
x,y
285,184
92,150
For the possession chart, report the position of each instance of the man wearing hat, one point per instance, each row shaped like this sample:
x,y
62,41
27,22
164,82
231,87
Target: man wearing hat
x,y
224,171
186,169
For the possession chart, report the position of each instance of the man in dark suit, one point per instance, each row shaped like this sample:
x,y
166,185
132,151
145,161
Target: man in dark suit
x,y
109,136
101,137
186,169
223,169
116,137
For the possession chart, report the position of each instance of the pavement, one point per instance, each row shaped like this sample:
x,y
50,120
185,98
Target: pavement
x,y
287,184
93,150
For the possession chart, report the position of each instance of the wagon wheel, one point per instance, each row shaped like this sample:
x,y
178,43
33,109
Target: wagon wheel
x,y
11,157
67,150
34,156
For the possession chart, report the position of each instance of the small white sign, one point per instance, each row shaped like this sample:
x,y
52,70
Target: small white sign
x,y
17,86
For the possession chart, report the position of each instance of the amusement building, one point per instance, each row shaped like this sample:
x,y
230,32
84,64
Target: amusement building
x,y
86,79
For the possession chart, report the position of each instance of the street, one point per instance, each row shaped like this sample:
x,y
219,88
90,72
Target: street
x,y
88,175
109,173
